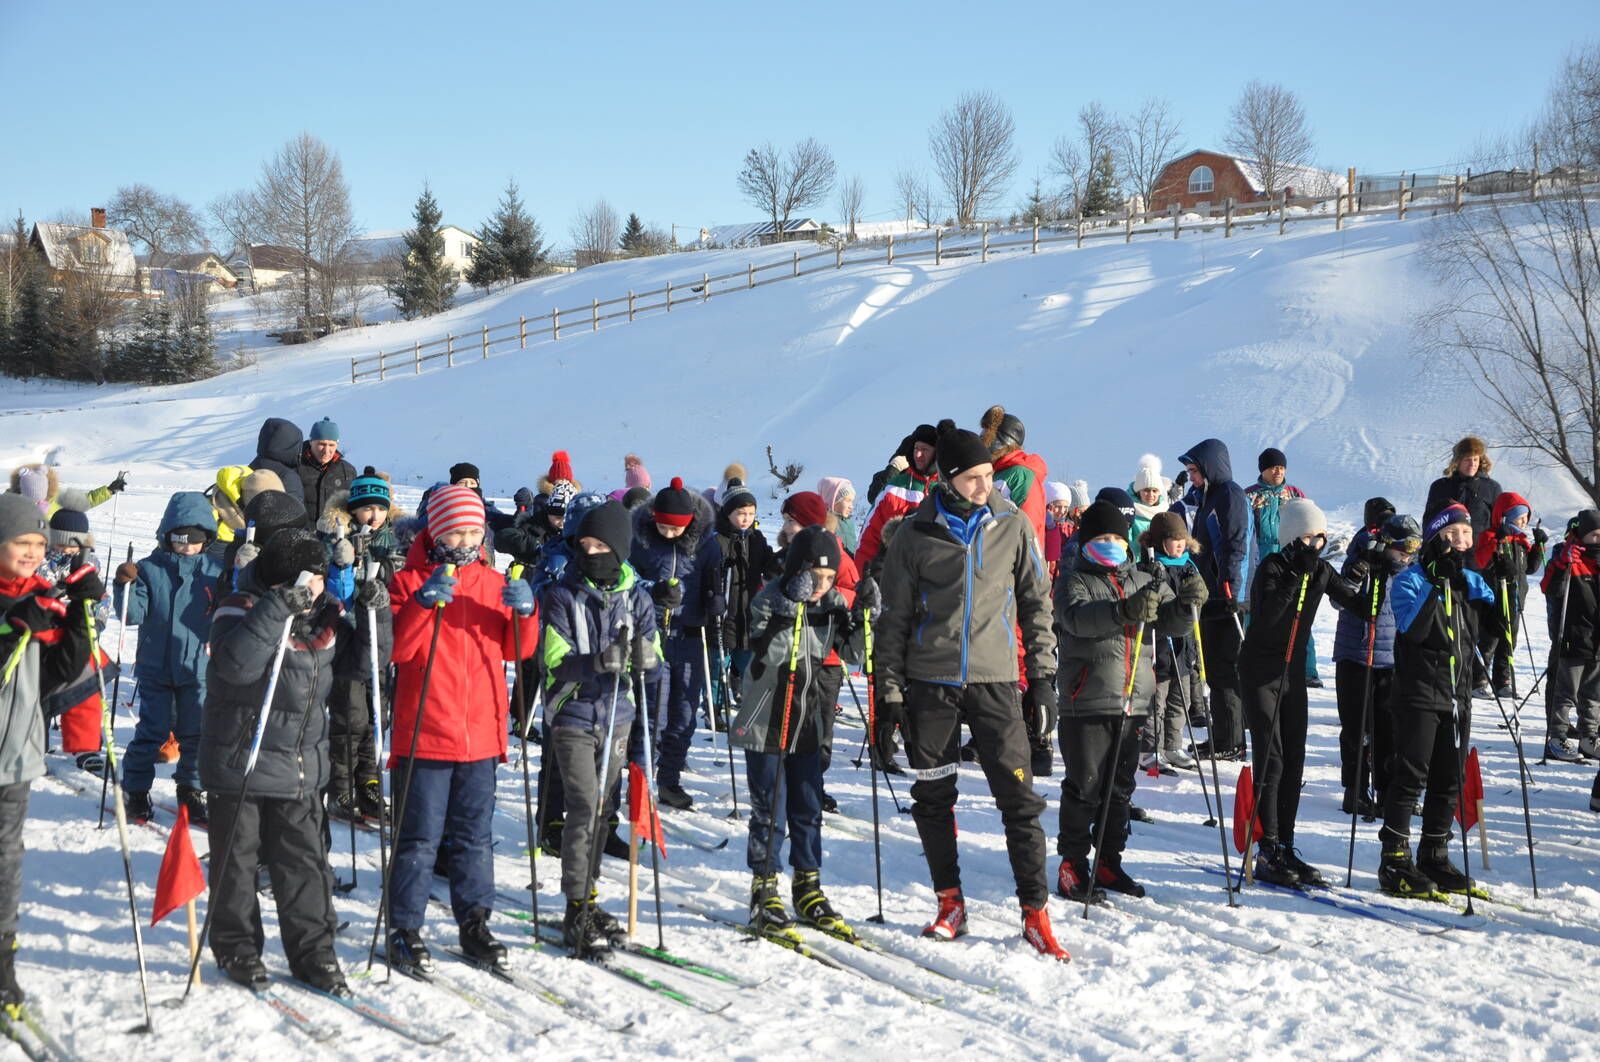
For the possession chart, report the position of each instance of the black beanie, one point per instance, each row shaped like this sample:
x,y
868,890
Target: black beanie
x,y
1376,511
959,450
1102,518
635,497
609,523
273,510
923,433
464,470
1586,521
813,547
1271,457
287,555
1120,499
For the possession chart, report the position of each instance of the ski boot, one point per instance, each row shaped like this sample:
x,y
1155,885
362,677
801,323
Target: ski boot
x,y
1037,932
550,840
408,954
137,806
615,846
1179,759
11,993
1043,759
830,806
580,930
1563,749
195,801
1072,881
1113,878
93,762
766,905
1273,866
325,976
1138,814
813,908
951,921
1398,875
610,928
674,797
246,969
479,944
1310,876
1433,859
370,802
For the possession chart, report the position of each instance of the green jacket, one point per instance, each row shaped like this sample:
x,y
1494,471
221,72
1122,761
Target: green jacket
x,y
1096,643
951,611
826,626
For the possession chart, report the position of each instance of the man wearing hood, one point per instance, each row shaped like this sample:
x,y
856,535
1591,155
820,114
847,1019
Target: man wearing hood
x,y
1221,523
278,450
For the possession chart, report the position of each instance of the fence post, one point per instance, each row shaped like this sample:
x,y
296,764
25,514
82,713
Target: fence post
x,y
797,263
1533,182
1227,217
1175,212
1035,236
749,274
1127,226
669,296
838,256
938,246
485,342
1458,193
985,257
522,330
1338,212
555,319
1400,201
353,371
449,351
416,358
1283,209
630,304
594,315
1080,228
705,287
891,249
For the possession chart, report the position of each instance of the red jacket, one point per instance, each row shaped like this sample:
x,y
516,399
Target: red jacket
x,y
1032,503
901,496
1494,534
466,714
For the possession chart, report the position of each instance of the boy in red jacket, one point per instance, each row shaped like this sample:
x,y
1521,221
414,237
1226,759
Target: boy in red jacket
x,y
460,733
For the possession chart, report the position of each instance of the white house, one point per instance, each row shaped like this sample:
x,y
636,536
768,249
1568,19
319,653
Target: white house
x,y
385,245
264,265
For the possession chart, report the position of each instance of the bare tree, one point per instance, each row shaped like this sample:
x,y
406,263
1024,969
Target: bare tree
x,y
595,234
163,224
235,221
779,185
905,190
1268,126
1067,163
1146,143
1073,160
851,193
973,145
304,205
1569,129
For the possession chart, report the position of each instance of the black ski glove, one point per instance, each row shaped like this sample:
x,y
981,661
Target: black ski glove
x,y
645,657
667,594
373,594
891,715
37,613
84,585
612,659
118,485
869,599
1143,606
716,604
1192,590
1039,707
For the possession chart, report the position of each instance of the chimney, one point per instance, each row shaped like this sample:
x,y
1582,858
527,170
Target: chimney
x,y
97,217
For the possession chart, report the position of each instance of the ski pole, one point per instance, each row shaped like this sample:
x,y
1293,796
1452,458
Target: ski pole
x,y
870,753
1362,752
1462,722
122,828
1216,784
108,710
877,840
783,734
1109,777
654,812
1271,729
514,573
596,847
728,707
1522,777
345,888
711,711
1183,698
405,786
377,730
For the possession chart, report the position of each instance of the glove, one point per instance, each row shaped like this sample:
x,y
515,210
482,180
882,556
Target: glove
x,y
85,585
439,590
1039,706
1302,558
1231,603
523,499
518,597
1192,590
37,614
344,554
891,714
246,555
127,572
644,654
1540,536
1446,563
869,598
667,594
1142,606
298,598
800,587
716,605
612,659
373,594
118,485
1358,571
1181,480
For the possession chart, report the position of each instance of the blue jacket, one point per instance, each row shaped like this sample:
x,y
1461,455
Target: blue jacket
x,y
1435,631
171,600
1220,524
694,558
1350,637
579,620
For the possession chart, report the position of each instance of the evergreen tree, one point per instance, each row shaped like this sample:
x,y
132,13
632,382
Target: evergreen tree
x,y
194,353
1101,195
426,284
633,237
510,245
29,328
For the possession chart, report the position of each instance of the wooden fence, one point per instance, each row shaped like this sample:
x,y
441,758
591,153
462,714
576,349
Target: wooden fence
x,y
976,242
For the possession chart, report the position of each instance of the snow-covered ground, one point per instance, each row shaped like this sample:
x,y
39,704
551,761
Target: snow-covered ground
x,y
1305,341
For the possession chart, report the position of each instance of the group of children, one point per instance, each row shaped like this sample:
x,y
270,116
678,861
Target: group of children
x,y
1015,606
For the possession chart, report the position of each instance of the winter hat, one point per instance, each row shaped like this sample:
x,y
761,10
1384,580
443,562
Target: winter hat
x,y
634,497
1102,518
1271,457
1080,494
324,430
610,523
273,510
453,508
1002,432
734,473
288,554
33,483
1376,512
369,488
18,517
258,482
561,496
1298,517
1455,513
834,489
814,547
1513,514
1120,498
1586,521
674,505
464,470
922,433
958,450
1400,528
1149,476
1471,446
560,468
1162,527
579,507
189,535
634,474
735,496
69,527
807,508
1055,491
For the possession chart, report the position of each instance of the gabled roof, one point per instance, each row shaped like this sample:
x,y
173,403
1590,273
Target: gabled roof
x,y
187,263
67,247
1307,180
753,232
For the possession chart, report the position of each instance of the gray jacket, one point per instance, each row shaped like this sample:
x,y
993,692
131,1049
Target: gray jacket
x,y
826,626
1096,643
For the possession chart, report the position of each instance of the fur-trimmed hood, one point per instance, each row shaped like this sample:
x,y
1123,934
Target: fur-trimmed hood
x,y
703,522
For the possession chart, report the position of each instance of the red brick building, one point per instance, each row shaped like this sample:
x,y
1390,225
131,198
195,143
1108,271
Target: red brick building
x,y
1204,179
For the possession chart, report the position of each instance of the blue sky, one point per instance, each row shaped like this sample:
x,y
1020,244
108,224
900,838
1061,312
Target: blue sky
x,y
653,106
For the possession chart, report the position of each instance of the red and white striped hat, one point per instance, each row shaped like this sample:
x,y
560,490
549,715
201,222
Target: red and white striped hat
x,y
453,508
